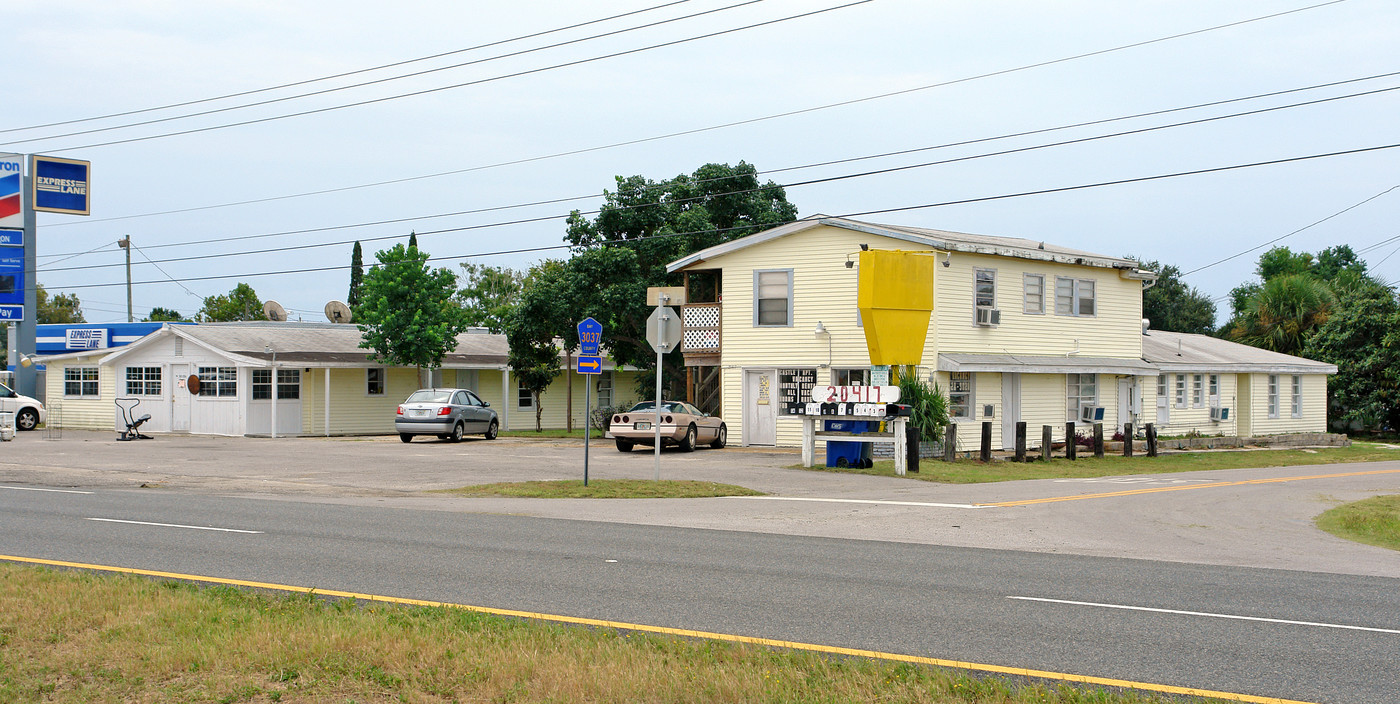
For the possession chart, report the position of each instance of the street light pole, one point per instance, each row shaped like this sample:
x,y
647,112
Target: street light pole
x,y
125,244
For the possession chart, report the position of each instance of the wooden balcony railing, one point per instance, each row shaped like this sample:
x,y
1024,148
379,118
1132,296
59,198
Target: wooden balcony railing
x,y
700,330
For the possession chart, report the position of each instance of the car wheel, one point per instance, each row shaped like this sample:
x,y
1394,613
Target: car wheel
x,y
406,437
624,445
688,442
493,430
27,419
721,437
456,435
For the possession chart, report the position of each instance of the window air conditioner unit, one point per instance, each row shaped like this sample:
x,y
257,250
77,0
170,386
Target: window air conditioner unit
x,y
988,317
1218,414
1091,414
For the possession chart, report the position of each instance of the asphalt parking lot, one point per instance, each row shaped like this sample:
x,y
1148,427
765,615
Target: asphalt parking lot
x,y
1218,517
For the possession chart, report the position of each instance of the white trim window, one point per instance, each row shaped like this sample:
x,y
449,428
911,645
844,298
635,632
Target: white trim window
x,y
1180,390
143,381
80,382
1297,407
1082,390
288,384
1273,395
524,400
219,382
850,377
772,298
984,288
375,381
1033,290
1198,399
1075,297
1214,392
605,389
960,395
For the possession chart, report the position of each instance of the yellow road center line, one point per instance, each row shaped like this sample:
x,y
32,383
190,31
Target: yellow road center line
x,y
682,632
1184,487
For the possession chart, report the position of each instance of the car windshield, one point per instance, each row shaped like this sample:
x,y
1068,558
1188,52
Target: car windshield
x,y
430,396
647,406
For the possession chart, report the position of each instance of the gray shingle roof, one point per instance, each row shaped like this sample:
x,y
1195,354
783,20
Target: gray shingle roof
x,y
327,343
1187,352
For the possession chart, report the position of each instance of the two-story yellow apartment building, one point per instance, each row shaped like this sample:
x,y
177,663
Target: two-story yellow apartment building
x,y
1021,331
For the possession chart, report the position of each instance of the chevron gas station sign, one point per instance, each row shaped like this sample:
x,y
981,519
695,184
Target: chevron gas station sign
x,y
11,208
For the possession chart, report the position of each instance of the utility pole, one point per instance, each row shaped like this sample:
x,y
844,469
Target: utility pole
x,y
125,243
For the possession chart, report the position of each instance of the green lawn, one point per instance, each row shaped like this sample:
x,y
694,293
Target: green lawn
x,y
975,472
1373,521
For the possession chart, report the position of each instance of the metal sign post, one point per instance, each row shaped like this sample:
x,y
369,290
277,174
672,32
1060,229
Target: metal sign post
x,y
590,337
664,334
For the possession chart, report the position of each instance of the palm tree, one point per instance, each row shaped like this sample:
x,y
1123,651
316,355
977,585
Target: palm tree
x,y
1283,313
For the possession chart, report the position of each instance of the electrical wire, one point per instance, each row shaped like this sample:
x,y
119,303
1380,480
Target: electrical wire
x,y
881,211
439,89
346,74
424,72
794,184
774,116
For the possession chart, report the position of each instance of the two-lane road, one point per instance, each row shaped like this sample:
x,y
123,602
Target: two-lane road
x,y
1269,633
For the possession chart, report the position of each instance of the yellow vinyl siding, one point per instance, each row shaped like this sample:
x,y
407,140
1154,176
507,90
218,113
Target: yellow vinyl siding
x,y
1186,420
1314,407
88,413
555,401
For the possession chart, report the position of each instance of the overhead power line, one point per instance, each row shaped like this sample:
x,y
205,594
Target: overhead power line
x,y
881,211
428,91
793,184
378,81
737,123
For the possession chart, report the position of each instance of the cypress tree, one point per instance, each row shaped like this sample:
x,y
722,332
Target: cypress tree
x,y
357,275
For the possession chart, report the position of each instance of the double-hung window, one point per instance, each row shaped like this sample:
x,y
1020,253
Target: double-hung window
x,y
1273,395
1033,291
960,395
1197,393
221,382
1180,390
374,381
605,389
1296,410
772,298
1214,393
80,381
523,398
1083,391
984,292
1074,296
143,381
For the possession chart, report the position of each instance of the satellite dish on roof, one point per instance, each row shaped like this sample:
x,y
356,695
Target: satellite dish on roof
x,y
274,311
338,312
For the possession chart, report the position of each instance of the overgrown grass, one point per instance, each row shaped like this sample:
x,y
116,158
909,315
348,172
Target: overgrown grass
x,y
70,637
976,472
1373,521
604,489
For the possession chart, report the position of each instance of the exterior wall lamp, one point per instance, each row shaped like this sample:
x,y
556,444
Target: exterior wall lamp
x,y
822,331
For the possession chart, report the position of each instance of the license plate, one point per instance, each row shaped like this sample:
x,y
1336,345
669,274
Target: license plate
x,y
416,413
641,425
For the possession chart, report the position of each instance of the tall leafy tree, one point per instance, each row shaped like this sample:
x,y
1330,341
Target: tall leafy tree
x,y
657,223
1172,305
62,308
357,275
407,314
1284,313
531,327
1361,338
489,293
165,315
241,303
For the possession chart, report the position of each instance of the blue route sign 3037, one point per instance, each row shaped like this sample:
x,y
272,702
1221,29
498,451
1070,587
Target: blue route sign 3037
x,y
590,337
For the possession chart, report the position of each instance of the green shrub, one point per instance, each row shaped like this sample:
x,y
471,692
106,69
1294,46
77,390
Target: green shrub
x,y
928,404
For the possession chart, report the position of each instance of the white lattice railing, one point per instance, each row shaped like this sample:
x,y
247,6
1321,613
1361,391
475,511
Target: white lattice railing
x,y
700,326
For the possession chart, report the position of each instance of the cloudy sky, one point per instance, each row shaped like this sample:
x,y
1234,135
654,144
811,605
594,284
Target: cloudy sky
x,y
490,132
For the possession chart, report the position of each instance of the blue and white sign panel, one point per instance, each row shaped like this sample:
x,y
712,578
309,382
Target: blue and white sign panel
x,y
11,238
86,339
61,185
590,336
588,365
11,208
11,284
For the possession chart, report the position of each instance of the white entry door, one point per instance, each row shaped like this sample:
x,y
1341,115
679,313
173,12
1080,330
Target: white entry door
x,y
1010,408
179,398
1164,411
760,407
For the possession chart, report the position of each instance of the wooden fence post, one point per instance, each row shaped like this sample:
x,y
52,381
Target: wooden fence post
x,y
986,453
1070,449
1046,443
1098,440
950,442
1151,440
1021,441
1127,439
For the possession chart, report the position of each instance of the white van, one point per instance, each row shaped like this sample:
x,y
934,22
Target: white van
x,y
29,413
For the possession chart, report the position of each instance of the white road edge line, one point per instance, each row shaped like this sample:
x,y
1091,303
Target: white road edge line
x,y
1202,613
173,525
859,501
56,491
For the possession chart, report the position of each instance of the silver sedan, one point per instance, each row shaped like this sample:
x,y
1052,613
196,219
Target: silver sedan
x,y
446,413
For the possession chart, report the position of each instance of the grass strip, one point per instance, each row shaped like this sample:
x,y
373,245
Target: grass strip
x,y
604,489
977,472
1373,521
78,637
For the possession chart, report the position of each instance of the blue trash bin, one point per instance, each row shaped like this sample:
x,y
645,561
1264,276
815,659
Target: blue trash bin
x,y
843,453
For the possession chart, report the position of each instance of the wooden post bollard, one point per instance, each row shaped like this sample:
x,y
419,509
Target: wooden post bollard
x,y
1151,440
1070,449
950,442
911,447
986,453
1127,439
1046,442
1098,440
1021,441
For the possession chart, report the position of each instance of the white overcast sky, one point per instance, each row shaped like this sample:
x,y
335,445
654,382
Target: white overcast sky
x,y
69,60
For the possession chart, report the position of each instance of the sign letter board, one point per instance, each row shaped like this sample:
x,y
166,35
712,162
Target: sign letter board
x,y
794,388
11,285
61,185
